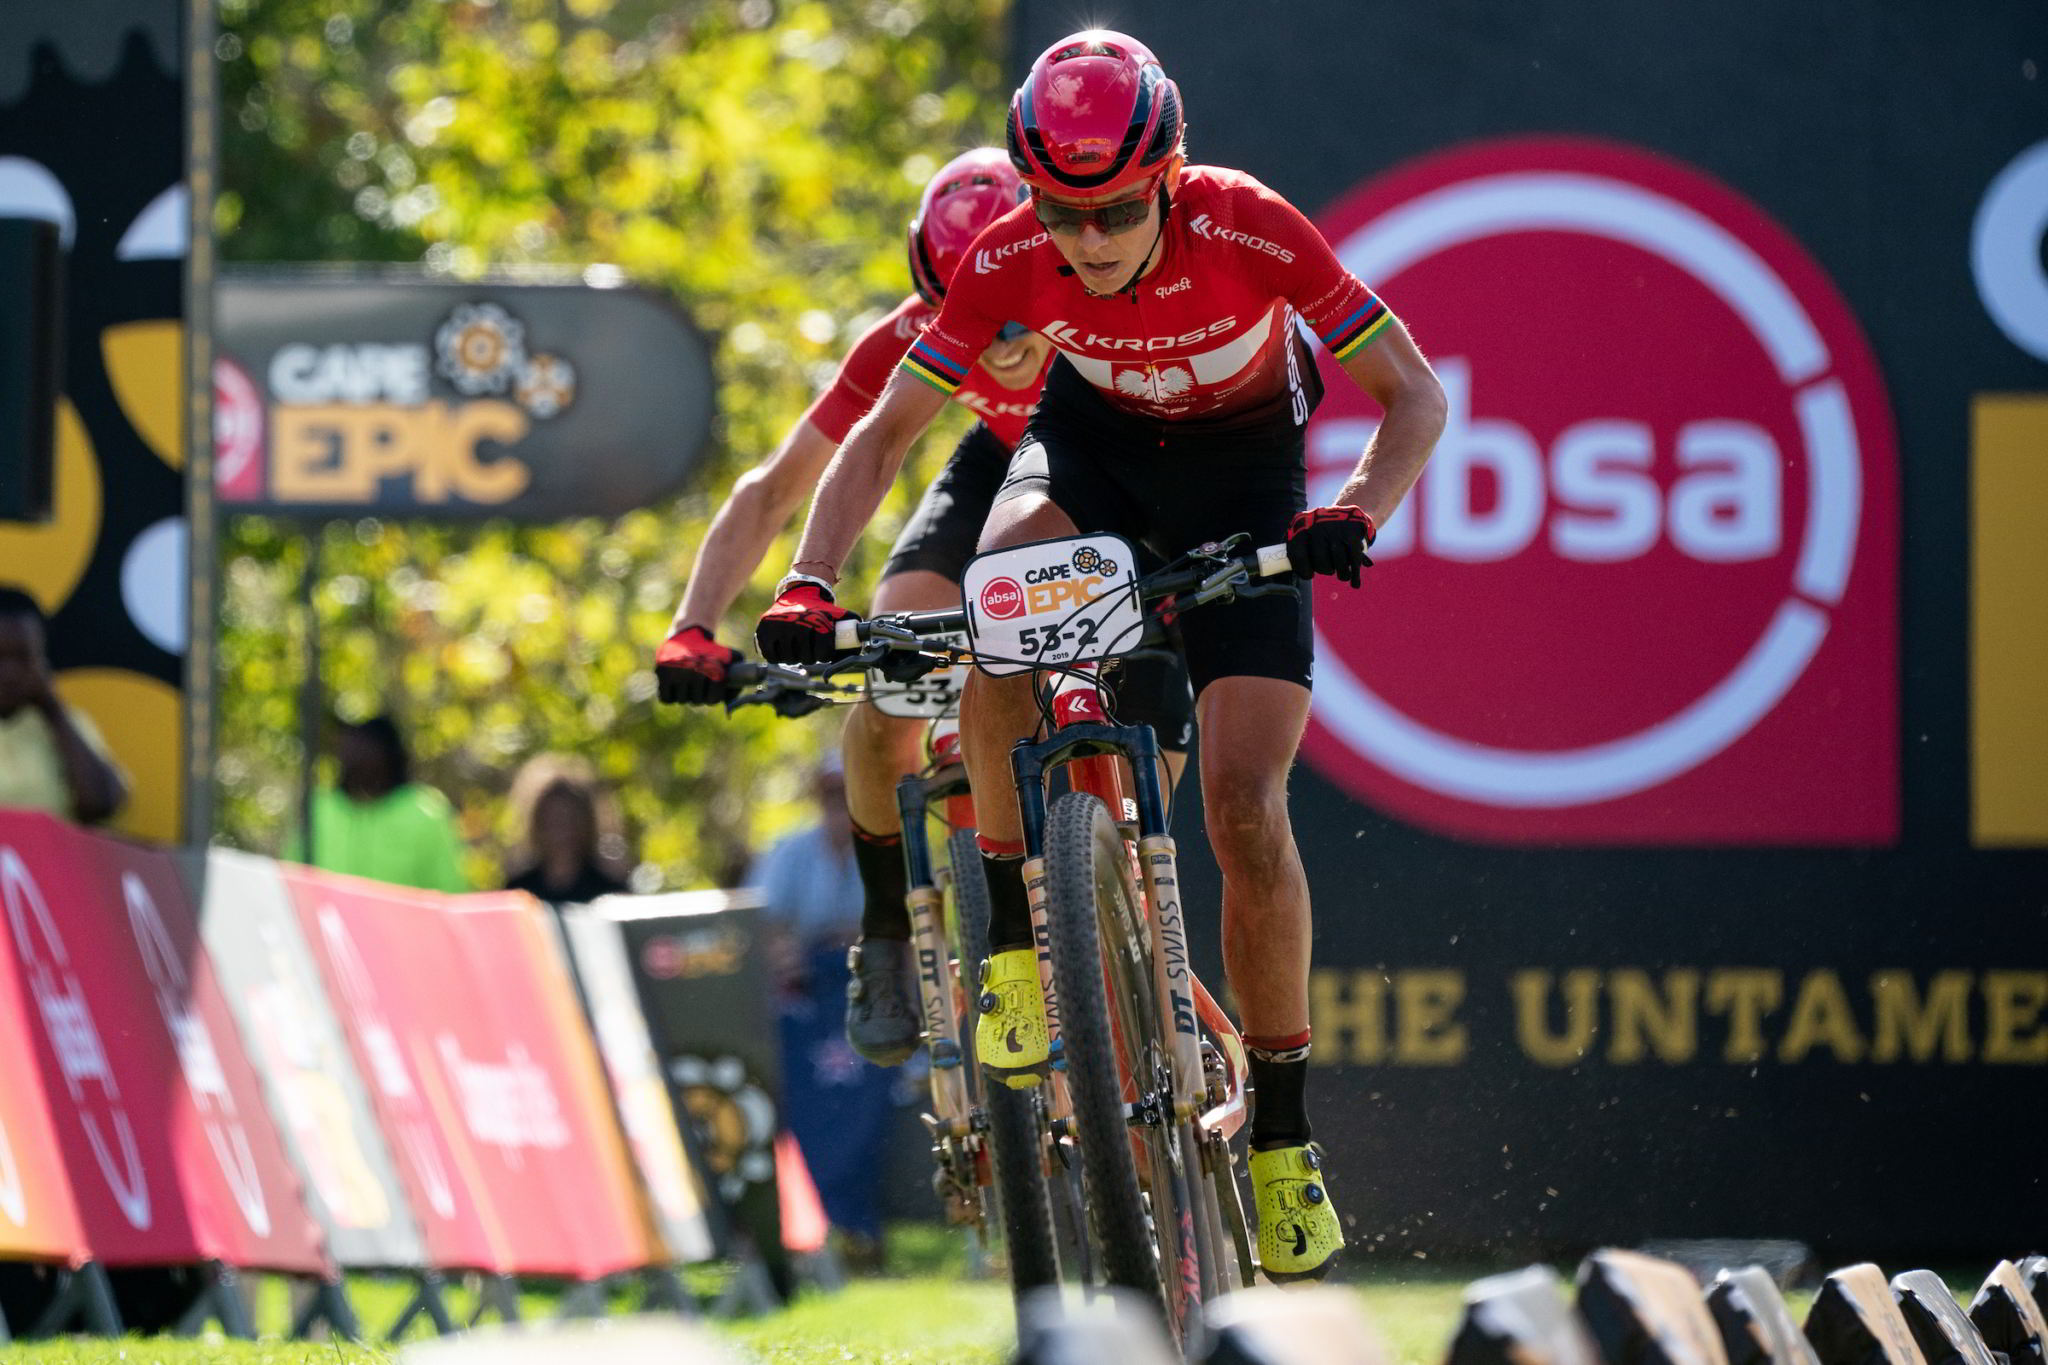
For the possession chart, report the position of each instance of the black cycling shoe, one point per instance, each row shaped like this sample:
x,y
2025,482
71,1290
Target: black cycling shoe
x,y
881,1021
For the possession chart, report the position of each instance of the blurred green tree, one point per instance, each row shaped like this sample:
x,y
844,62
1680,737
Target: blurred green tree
x,y
759,158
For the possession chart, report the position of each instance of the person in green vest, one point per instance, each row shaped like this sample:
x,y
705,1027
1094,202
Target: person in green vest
x,y
376,822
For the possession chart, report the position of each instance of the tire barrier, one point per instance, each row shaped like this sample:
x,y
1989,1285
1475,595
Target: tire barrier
x,y
1631,1309
223,1064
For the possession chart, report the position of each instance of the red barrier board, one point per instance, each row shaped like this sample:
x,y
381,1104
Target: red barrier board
x,y
231,1160
38,1220
159,1117
530,1072
395,980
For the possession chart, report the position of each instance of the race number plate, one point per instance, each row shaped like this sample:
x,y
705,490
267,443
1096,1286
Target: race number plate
x,y
1053,602
936,694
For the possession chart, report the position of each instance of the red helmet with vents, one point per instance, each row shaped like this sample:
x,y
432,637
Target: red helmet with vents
x,y
969,192
1096,118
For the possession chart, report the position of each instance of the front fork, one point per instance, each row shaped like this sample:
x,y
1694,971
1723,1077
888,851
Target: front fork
x,y
952,1120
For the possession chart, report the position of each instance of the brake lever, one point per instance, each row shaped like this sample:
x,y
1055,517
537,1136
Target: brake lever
x,y
792,705
1269,589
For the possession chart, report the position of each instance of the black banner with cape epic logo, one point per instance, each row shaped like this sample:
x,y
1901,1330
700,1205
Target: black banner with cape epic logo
x,y
395,394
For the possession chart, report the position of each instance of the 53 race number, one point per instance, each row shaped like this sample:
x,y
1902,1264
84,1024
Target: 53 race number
x,y
1053,602
936,694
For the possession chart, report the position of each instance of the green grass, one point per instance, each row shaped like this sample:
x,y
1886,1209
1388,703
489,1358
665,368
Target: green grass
x,y
929,1311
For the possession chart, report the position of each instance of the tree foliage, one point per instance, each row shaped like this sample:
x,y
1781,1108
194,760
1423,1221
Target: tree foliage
x,y
759,159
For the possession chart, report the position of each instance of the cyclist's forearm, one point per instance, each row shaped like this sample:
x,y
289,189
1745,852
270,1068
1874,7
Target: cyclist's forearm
x,y
1394,373
733,547
1393,460
854,485
860,474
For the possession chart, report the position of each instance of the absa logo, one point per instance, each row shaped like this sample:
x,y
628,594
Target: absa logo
x,y
1646,590
1002,598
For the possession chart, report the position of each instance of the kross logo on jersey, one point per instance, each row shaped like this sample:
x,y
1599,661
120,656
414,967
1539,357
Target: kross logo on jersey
x,y
1645,592
986,261
1068,337
1205,226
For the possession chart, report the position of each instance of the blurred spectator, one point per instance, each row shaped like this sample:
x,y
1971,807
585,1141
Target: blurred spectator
x,y
377,822
51,757
568,833
810,888
839,1107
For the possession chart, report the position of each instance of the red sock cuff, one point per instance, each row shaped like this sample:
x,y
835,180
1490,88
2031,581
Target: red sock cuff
x,y
889,840
1000,848
1277,1042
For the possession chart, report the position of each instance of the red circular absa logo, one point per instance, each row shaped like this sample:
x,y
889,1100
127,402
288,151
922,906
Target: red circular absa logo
x,y
1001,598
1645,591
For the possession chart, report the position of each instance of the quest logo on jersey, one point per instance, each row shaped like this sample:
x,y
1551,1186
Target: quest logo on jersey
x,y
1646,590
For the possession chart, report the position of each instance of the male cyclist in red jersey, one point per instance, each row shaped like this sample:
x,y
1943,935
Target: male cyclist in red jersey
x,y
922,572
1173,415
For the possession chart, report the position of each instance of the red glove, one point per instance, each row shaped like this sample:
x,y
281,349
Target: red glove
x,y
689,668
798,628
1330,540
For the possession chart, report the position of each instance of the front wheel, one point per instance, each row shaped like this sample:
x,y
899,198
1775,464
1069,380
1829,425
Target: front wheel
x,y
1116,1060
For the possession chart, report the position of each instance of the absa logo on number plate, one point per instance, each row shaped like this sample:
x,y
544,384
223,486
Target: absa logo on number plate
x,y
1002,598
1646,591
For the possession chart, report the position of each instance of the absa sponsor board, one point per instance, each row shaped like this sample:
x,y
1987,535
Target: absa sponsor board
x,y
532,1089
37,1217
392,974
318,1098
245,1198
1646,591
675,1189
163,1132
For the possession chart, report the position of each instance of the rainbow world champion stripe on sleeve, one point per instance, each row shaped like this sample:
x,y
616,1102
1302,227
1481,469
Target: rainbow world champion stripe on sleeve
x,y
934,369
1349,336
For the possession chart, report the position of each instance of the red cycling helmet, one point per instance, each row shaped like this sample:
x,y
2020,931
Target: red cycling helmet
x,y
1095,117
969,192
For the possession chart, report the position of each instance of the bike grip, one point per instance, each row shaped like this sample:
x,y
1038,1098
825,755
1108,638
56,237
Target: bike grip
x,y
846,634
1272,560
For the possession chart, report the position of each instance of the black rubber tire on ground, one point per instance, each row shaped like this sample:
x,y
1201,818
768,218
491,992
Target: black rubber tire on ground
x,y
1016,1135
1085,864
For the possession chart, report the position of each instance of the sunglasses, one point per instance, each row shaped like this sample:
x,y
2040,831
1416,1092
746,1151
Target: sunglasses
x,y
1069,219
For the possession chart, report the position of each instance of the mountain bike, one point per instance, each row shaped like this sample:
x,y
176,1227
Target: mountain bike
x,y
987,1144
1148,1077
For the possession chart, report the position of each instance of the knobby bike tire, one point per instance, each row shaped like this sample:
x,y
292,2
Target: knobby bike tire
x,y
1016,1136
1086,882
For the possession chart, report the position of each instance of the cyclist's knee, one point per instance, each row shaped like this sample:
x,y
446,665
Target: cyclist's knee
x,y
1246,814
1025,517
915,590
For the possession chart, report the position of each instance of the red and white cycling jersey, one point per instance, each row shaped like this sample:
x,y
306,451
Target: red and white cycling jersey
x,y
873,359
1204,337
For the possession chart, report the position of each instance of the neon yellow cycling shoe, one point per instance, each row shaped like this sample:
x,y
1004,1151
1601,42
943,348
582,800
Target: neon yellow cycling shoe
x,y
1299,1233
1010,1038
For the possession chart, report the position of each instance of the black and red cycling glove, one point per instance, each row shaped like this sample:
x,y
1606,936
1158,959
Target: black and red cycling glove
x,y
1330,540
797,628
690,668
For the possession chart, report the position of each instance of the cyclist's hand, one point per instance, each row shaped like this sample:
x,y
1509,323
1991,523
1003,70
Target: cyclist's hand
x,y
1330,540
690,668
798,628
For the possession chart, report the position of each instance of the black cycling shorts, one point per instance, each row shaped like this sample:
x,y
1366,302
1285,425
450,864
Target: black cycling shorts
x,y
1170,487
940,538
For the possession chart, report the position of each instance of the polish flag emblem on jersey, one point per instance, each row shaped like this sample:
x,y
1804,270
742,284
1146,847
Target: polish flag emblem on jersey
x,y
1154,383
